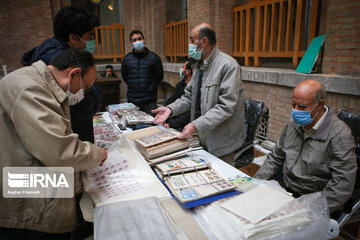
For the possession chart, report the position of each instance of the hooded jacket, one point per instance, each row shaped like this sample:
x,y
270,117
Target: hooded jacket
x,y
45,51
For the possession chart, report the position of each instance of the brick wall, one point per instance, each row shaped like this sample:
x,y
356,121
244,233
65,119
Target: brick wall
x,y
342,42
149,16
24,24
278,100
199,11
217,13
224,25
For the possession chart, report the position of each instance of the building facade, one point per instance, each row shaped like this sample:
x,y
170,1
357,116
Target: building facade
x,y
25,24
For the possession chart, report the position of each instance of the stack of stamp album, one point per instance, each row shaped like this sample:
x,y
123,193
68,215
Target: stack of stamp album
x,y
188,175
160,143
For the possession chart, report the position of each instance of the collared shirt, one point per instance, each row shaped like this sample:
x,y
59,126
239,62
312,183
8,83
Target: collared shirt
x,y
316,126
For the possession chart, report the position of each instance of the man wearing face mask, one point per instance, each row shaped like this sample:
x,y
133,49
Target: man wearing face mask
x,y
73,28
36,131
316,150
142,71
180,121
214,97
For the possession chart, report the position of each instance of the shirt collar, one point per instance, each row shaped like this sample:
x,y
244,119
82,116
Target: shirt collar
x,y
45,73
322,129
210,58
317,125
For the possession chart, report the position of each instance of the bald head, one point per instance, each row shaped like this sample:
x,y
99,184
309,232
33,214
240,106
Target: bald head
x,y
203,25
312,90
203,30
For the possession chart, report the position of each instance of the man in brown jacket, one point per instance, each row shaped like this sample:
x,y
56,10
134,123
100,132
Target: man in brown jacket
x,y
36,131
316,150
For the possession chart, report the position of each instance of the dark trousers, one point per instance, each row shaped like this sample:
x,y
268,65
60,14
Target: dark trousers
x,y
83,229
24,234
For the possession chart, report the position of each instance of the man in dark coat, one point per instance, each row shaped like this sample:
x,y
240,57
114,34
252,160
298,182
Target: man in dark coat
x,y
180,121
142,71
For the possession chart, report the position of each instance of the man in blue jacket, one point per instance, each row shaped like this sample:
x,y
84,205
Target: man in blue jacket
x,y
142,71
73,28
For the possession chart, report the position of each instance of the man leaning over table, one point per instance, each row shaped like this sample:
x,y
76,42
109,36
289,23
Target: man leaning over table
x,y
316,150
36,131
214,97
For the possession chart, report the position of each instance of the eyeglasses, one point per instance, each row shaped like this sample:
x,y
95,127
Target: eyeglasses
x,y
136,39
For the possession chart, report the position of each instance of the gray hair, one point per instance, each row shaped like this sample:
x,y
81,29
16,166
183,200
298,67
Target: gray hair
x,y
209,33
320,93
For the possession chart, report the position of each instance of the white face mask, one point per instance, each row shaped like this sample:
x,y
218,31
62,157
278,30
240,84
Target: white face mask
x,y
77,97
138,45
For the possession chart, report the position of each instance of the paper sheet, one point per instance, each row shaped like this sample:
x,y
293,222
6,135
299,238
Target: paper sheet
x,y
125,175
257,204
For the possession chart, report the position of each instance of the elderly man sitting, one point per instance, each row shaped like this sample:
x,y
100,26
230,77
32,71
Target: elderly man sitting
x,y
315,150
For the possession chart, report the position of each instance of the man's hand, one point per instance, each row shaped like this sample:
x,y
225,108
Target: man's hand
x,y
188,131
162,114
104,156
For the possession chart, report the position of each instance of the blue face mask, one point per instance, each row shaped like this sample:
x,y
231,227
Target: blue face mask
x,y
182,76
302,117
193,53
90,46
138,45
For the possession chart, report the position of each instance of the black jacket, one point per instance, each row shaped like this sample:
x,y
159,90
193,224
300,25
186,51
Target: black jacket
x,y
45,51
81,113
142,73
180,121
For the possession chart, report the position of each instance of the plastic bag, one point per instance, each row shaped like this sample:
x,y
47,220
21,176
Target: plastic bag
x,y
306,217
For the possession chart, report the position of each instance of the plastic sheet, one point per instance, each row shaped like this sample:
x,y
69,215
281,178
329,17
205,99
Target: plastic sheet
x,y
353,121
306,217
253,112
132,220
317,207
